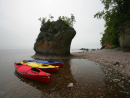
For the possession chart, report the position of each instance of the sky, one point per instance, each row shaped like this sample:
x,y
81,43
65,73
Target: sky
x,y
19,24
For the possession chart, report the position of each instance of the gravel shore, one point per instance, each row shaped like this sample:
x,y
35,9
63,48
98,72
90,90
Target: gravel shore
x,y
115,58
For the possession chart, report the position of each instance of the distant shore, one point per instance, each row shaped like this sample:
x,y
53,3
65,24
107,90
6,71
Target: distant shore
x,y
115,58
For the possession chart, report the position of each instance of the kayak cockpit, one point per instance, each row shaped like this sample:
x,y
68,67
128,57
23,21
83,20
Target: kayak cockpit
x,y
19,64
45,65
35,70
50,61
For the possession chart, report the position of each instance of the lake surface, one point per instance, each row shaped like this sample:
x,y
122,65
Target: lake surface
x,y
90,79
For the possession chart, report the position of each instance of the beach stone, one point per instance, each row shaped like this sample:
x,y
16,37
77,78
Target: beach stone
x,y
70,85
66,77
124,36
121,66
54,39
123,77
116,80
110,69
116,63
53,89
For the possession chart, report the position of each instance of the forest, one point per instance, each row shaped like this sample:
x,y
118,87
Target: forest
x,y
115,13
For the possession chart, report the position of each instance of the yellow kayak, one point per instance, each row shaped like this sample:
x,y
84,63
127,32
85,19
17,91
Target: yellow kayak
x,y
44,67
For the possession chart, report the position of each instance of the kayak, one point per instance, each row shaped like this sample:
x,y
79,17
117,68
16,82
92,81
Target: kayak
x,y
32,73
60,64
44,67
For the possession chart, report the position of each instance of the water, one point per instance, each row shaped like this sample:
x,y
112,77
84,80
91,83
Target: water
x,y
78,50
90,80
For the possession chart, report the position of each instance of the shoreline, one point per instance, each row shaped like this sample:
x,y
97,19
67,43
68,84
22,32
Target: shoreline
x,y
114,58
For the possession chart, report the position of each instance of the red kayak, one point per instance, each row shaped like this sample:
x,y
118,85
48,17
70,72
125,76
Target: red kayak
x,y
32,73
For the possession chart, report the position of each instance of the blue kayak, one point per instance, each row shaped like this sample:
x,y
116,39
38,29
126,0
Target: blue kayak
x,y
54,63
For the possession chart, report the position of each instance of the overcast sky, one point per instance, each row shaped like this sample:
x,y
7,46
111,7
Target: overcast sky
x,y
19,24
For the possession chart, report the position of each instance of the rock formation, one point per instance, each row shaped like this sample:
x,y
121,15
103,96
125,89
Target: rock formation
x,y
54,39
124,36
106,45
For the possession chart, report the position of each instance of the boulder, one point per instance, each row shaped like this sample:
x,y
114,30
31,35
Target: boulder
x,y
70,85
124,36
54,39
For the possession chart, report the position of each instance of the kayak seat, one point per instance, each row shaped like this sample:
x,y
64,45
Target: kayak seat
x,y
44,65
50,61
35,70
19,64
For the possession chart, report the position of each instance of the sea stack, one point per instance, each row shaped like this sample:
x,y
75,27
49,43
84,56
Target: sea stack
x,y
54,39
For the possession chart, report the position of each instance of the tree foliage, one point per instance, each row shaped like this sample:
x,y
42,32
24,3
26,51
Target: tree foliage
x,y
67,20
115,13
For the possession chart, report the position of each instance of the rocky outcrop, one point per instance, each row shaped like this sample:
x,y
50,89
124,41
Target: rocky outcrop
x,y
106,45
124,36
54,39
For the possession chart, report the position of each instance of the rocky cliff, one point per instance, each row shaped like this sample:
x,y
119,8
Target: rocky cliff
x,y
124,36
54,39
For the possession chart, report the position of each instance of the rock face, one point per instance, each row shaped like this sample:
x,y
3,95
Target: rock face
x,y
106,45
124,36
54,39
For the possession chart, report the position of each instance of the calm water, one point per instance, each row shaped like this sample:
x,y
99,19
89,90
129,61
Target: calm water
x,y
91,80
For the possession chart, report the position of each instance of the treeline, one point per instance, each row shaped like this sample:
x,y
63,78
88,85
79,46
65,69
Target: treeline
x,y
115,13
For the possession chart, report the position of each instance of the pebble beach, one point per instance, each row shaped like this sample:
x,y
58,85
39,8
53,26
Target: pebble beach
x,y
115,58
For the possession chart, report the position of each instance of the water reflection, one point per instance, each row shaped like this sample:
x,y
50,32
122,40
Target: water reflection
x,y
84,71
88,76
90,80
98,80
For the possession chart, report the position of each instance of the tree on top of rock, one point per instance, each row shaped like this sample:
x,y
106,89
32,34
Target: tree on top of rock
x,y
67,20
